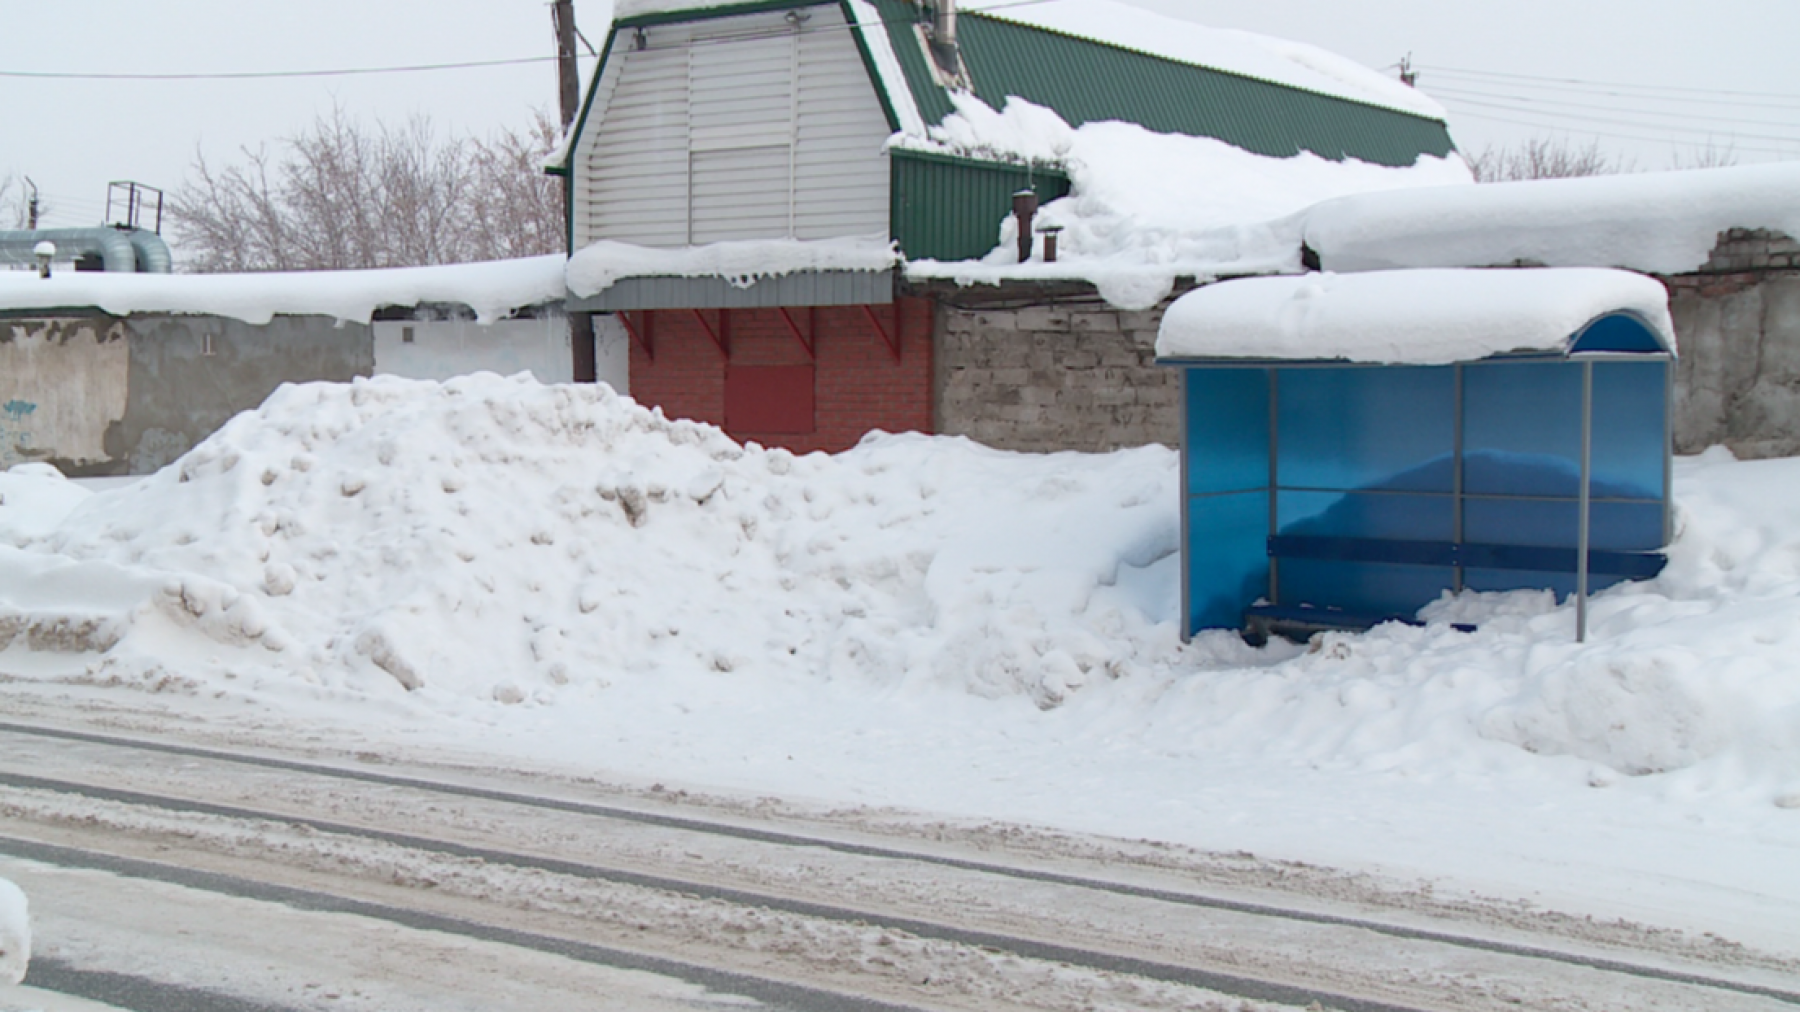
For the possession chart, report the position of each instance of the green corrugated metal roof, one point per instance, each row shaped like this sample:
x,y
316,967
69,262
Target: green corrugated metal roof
x,y
1086,81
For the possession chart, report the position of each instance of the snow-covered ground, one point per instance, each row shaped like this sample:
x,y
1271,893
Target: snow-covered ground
x,y
15,934
557,577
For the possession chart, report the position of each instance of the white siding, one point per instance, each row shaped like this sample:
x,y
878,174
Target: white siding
x,y
733,128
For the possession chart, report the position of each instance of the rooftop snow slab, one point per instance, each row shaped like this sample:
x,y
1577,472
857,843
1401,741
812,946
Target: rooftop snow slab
x,y
1657,222
1419,317
492,289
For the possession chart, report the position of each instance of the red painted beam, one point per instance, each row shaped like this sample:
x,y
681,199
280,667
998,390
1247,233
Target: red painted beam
x,y
812,326
892,341
645,338
721,335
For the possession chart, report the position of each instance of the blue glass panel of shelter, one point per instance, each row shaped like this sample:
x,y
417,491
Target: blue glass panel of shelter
x,y
1227,557
1522,428
1630,443
1617,333
1368,589
1366,428
1228,430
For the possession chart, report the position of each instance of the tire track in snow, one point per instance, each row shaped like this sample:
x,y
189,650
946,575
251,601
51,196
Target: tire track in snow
x,y
1228,984
781,996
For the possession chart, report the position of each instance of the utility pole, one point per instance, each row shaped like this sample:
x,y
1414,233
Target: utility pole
x,y
584,359
31,206
568,76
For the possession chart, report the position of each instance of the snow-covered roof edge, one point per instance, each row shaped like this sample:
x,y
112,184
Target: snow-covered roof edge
x,y
493,290
1274,60
1414,317
597,267
1656,222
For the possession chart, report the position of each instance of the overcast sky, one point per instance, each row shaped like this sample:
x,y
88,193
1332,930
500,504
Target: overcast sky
x,y
1651,80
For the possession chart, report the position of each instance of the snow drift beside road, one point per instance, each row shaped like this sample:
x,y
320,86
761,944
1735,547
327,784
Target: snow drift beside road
x,y
490,546
15,933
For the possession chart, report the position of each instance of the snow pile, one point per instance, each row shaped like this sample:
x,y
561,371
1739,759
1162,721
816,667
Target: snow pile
x,y
1421,317
1294,64
33,498
493,290
561,560
15,933
1147,208
597,267
1657,222
496,540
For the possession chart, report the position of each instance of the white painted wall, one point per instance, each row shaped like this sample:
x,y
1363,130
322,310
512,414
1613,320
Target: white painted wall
x,y
745,127
440,349
63,382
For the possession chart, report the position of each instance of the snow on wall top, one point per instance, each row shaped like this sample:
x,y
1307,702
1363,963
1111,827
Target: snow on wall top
x,y
1146,208
1280,61
1658,222
491,289
598,267
1418,317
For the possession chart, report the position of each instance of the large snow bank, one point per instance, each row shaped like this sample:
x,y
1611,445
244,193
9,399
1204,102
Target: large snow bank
x,y
492,290
1145,208
15,933
544,557
601,265
496,539
1423,317
1658,222
1294,64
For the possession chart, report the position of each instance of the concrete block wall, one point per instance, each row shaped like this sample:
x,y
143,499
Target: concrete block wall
x,y
1079,377
1737,321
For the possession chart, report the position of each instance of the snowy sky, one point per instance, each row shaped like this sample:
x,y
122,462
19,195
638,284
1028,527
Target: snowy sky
x,y
73,136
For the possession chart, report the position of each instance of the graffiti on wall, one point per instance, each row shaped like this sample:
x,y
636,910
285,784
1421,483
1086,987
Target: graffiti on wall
x,y
62,383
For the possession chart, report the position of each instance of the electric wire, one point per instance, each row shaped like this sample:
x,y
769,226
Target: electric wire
x,y
1467,94
1611,135
1581,83
1628,123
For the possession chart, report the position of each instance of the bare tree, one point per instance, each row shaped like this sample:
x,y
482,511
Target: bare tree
x,y
1710,157
1545,158
15,203
341,195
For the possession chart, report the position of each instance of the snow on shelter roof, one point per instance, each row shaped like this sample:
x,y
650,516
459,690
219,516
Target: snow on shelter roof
x,y
493,290
1415,317
1657,222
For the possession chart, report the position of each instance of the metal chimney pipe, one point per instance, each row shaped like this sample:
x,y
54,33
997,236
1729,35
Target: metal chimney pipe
x,y
943,38
1025,205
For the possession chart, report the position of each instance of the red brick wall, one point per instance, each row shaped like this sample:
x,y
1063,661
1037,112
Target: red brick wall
x,y
858,385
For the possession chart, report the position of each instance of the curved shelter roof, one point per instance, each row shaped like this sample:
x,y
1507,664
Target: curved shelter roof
x,y
1420,317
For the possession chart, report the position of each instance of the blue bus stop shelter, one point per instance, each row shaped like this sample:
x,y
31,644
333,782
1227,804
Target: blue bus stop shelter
x,y
1354,446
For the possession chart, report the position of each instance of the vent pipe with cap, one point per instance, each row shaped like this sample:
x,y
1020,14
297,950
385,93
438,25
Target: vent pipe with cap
x,y
943,39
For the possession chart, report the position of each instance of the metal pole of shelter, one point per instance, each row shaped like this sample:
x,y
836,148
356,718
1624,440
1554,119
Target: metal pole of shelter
x,y
1581,537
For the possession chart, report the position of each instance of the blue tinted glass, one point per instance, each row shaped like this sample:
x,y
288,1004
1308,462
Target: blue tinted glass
x,y
1228,429
1367,515
1522,428
1512,579
1618,333
1620,527
1630,402
1362,588
1228,558
1348,428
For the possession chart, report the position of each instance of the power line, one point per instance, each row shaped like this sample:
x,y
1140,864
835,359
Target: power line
x,y
1582,83
1533,100
1557,89
265,74
1610,135
1634,124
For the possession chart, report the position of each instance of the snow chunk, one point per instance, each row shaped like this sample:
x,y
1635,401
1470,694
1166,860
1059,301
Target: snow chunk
x,y
743,263
15,933
1426,317
1280,61
1656,222
491,289
1146,208
34,498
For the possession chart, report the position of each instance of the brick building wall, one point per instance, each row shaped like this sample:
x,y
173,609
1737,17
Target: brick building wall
x,y
1078,377
1737,321
857,383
